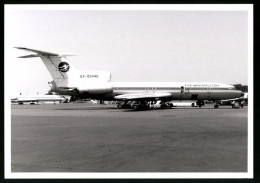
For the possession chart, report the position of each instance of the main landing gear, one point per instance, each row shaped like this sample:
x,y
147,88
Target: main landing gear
x,y
144,105
125,105
200,103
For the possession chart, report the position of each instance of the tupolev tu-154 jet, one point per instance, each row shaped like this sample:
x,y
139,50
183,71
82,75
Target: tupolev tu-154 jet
x,y
68,80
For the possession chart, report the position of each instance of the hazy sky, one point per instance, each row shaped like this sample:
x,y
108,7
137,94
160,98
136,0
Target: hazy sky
x,y
163,45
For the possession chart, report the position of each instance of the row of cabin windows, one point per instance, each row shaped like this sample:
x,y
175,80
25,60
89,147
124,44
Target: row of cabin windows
x,y
164,88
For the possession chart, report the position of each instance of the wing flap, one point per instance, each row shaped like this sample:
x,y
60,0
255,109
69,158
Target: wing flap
x,y
142,96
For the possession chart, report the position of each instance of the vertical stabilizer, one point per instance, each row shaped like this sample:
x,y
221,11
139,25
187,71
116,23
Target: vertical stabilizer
x,y
62,71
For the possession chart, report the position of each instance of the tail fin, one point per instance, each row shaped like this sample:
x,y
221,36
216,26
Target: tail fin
x,y
64,74
58,66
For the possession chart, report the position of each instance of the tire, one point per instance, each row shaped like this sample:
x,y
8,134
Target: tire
x,y
216,106
119,106
236,105
135,107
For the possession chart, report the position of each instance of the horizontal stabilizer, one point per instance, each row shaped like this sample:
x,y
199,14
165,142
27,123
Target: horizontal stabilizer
x,y
29,56
147,95
41,53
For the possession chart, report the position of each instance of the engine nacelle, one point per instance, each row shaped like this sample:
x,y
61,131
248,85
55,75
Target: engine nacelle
x,y
95,88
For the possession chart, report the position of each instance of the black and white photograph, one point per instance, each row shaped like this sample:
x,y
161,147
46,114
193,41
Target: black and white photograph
x,y
128,91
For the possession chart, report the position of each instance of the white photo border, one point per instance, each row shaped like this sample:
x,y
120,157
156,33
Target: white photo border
x,y
180,7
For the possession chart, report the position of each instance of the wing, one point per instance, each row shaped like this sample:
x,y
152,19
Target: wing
x,y
143,96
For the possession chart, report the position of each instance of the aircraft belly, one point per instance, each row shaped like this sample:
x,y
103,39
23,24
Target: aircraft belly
x,y
203,95
186,96
176,95
221,95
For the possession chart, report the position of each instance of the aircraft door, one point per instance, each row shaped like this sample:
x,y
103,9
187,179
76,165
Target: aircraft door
x,y
182,89
184,92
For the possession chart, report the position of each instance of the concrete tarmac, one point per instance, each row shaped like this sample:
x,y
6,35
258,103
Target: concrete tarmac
x,y
102,138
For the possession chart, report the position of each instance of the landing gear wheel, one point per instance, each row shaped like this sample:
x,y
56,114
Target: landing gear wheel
x,y
119,106
236,105
135,107
216,106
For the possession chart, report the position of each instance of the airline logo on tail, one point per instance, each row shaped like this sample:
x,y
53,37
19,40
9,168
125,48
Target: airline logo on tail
x,y
64,66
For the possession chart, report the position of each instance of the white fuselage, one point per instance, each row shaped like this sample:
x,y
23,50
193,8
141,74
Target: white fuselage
x,y
177,90
180,90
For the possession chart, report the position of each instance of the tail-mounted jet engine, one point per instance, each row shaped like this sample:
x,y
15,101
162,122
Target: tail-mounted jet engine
x,y
63,90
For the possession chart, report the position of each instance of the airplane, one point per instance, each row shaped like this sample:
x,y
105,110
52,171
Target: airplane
x,y
32,99
68,80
